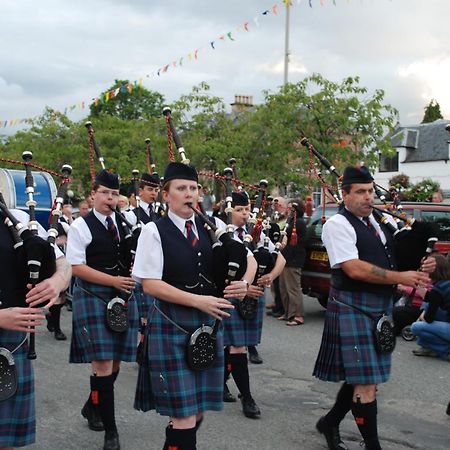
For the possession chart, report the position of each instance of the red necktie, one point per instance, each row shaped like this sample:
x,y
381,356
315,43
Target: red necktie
x,y
240,233
112,229
190,235
371,227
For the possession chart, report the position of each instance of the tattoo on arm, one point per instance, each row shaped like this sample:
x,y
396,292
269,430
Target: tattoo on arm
x,y
379,272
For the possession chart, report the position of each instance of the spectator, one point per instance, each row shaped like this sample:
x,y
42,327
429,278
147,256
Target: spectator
x,y
433,326
208,200
83,208
437,197
123,203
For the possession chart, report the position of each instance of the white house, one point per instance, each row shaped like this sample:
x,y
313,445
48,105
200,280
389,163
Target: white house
x,y
423,151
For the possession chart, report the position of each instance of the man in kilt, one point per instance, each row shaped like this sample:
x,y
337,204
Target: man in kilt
x,y
178,273
362,258
241,333
17,413
93,249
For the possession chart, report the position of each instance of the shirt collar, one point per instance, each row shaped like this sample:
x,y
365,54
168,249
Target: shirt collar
x,y
180,223
102,218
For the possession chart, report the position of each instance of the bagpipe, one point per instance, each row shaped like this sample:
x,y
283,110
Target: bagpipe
x,y
151,168
411,237
35,256
229,264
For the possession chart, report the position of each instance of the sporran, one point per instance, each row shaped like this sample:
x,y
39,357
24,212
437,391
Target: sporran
x,y
117,315
201,348
8,375
247,308
384,335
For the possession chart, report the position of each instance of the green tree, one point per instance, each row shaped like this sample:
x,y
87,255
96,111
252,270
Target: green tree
x,y
131,102
432,112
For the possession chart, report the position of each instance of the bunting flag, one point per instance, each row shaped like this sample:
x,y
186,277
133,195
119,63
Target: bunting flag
x,y
177,63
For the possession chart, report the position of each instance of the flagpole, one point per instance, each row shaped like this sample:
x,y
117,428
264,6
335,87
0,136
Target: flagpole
x,y
286,44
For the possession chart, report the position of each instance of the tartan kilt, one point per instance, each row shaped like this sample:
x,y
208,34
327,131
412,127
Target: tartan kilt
x,y
165,382
143,300
239,332
17,414
91,339
347,350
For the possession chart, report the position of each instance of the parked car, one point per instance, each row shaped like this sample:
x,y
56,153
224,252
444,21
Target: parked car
x,y
316,273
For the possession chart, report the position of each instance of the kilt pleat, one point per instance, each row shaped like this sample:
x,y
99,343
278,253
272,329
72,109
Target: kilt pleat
x,y
347,351
143,300
239,332
170,386
17,414
91,339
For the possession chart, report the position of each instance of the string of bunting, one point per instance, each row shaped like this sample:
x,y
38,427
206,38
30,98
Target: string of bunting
x,y
180,62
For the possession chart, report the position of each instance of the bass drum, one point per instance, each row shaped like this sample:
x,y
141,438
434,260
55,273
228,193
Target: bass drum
x,y
13,188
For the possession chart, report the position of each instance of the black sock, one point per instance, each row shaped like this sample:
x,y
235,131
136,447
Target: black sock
x,y
252,350
177,439
239,370
104,386
366,418
115,375
55,316
227,361
342,405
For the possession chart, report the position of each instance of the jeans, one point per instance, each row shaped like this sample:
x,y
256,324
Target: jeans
x,y
434,335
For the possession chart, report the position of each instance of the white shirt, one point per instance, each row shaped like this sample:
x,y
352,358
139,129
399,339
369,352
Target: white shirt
x,y
80,236
131,216
339,238
260,243
24,218
149,259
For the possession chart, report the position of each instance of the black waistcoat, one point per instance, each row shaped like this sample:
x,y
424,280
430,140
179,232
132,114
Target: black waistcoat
x,y
187,268
370,249
143,216
102,253
12,273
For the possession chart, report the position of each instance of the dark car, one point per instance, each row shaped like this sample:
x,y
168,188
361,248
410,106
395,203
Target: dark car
x,y
316,273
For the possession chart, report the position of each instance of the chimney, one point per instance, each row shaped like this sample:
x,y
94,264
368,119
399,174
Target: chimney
x,y
241,103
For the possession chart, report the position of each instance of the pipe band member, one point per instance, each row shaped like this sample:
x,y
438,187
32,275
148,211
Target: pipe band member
x,y
178,273
362,258
17,414
241,333
93,247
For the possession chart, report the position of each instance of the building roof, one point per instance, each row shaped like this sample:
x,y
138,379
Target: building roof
x,y
424,142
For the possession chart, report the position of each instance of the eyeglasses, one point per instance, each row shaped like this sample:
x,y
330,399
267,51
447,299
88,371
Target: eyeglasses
x,y
108,193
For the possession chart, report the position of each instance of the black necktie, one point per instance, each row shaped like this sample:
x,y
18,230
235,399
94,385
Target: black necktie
x,y
112,229
190,235
240,233
371,227
150,210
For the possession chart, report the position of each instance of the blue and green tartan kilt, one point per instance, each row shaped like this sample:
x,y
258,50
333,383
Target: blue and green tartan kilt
x,y
143,300
165,382
17,414
348,351
239,332
91,339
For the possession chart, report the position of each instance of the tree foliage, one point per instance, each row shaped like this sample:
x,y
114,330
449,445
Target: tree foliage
x,y
342,120
131,102
432,112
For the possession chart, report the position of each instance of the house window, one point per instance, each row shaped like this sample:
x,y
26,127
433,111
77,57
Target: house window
x,y
389,164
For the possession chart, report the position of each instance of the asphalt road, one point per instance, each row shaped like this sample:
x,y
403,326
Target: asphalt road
x,y
411,405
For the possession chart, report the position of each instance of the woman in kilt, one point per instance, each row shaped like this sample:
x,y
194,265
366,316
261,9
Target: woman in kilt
x,y
17,413
178,273
93,247
241,333
362,258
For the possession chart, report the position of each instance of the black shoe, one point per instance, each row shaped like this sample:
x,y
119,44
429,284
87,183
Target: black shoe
x,y
111,441
250,408
92,415
277,314
331,434
50,326
228,397
60,336
254,358
448,409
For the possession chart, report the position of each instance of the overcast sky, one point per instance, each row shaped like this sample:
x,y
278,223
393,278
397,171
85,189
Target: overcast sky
x,y
60,52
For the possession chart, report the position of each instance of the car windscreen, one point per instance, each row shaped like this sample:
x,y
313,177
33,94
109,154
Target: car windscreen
x,y
442,221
